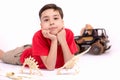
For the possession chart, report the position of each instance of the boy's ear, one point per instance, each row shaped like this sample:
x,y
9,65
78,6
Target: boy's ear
x,y
63,22
41,25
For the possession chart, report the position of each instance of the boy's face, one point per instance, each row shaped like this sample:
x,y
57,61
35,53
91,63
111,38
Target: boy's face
x,y
52,21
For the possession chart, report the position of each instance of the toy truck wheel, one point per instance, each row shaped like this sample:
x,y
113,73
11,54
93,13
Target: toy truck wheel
x,y
96,49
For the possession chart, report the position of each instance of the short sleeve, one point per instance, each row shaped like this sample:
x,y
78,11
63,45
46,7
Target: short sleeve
x,y
40,45
71,41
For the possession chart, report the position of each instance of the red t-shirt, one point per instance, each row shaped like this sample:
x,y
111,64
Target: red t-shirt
x,y
41,47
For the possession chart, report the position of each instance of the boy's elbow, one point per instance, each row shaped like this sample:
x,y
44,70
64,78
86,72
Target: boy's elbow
x,y
51,68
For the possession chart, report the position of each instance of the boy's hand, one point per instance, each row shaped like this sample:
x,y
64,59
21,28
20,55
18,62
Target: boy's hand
x,y
61,36
46,34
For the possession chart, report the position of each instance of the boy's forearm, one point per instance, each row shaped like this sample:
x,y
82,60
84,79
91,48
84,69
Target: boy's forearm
x,y
51,59
66,51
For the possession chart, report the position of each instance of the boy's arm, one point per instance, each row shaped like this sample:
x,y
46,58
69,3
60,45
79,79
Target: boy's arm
x,y
66,51
50,60
62,40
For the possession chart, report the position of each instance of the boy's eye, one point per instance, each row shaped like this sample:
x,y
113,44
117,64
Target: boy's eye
x,y
56,18
46,20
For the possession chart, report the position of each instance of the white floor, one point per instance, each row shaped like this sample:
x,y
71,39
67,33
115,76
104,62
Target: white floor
x,y
13,33
102,67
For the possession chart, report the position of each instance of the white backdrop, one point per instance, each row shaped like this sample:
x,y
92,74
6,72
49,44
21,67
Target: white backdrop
x,y
19,19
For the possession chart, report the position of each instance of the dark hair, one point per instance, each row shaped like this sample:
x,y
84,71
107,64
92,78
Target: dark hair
x,y
51,6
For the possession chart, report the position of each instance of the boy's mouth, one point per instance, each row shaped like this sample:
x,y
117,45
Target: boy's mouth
x,y
53,28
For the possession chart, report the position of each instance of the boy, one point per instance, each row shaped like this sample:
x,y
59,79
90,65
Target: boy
x,y
53,45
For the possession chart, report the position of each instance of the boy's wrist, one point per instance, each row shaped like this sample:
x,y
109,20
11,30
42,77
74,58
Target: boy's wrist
x,y
62,42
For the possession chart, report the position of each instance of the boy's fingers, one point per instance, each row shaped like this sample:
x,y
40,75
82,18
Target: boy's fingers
x,y
60,30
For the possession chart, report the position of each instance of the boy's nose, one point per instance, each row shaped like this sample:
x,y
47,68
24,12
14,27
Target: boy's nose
x,y
51,22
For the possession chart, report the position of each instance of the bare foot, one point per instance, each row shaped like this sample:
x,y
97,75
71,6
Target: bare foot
x,y
1,53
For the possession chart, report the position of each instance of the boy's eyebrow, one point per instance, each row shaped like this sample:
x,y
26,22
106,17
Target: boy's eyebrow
x,y
44,17
55,15
48,16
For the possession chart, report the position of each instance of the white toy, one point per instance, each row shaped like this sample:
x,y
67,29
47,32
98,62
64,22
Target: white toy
x,y
32,64
72,62
12,76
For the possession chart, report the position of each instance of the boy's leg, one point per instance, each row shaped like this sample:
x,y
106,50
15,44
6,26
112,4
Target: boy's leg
x,y
13,56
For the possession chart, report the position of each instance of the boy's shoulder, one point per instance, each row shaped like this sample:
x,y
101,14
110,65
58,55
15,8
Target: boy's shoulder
x,y
38,33
68,30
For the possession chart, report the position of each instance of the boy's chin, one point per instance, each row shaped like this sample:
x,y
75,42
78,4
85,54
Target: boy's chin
x,y
54,33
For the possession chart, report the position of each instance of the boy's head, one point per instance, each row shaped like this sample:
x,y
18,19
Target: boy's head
x,y
51,17
51,6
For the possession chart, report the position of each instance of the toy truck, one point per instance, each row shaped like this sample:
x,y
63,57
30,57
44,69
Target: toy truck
x,y
98,40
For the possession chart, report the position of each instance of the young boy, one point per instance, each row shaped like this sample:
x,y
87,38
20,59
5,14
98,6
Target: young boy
x,y
53,45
